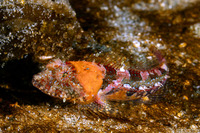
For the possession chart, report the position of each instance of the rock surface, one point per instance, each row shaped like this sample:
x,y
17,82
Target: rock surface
x,y
115,32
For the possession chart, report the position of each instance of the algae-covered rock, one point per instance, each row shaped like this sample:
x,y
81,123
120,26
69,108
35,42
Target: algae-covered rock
x,y
41,28
117,33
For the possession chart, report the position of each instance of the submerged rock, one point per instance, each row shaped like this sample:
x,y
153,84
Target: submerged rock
x,y
118,33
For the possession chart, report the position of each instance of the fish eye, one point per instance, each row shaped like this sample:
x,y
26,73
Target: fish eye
x,y
65,74
129,93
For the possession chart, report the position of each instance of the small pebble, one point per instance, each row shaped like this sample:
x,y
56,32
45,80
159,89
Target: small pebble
x,y
185,97
182,45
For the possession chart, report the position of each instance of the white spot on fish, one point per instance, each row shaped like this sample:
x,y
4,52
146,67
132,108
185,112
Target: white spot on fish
x,y
127,86
158,84
143,87
122,69
164,66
